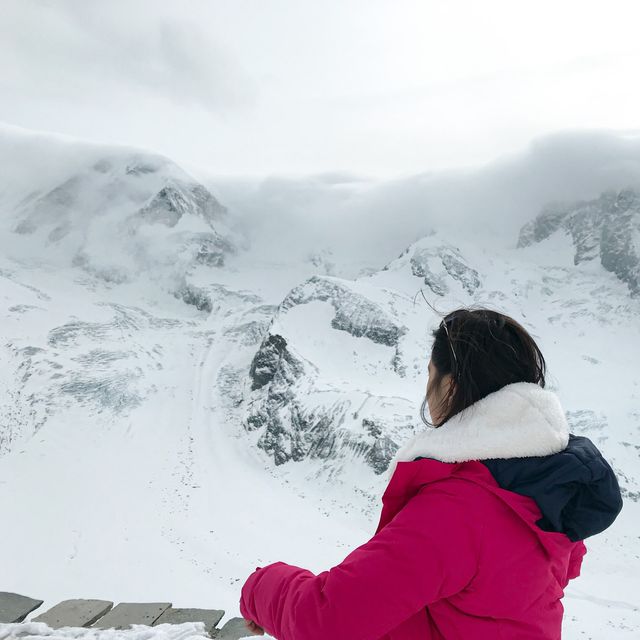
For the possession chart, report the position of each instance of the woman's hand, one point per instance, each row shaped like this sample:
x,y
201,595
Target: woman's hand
x,y
254,628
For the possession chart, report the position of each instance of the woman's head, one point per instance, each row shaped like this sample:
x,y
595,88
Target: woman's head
x,y
476,352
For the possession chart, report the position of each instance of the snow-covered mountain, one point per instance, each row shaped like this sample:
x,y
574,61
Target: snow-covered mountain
x,y
117,214
175,411
607,228
344,362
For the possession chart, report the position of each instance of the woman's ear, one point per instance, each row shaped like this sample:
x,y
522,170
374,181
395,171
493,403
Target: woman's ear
x,y
451,389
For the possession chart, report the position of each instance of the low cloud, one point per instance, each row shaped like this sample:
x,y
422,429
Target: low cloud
x,y
82,50
371,222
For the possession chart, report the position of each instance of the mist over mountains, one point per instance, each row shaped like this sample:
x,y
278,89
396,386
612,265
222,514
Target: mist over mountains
x,y
185,344
370,221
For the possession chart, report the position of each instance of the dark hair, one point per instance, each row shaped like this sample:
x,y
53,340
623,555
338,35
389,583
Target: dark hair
x,y
483,351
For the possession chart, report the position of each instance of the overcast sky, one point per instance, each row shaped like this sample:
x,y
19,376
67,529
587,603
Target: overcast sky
x,y
378,88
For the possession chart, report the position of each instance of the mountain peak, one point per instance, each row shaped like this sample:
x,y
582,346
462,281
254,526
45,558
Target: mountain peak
x,y
607,228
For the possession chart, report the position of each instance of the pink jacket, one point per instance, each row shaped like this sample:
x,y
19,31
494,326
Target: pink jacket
x,y
455,556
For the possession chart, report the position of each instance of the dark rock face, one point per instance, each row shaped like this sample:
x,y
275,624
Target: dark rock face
x,y
195,296
620,240
295,421
354,313
292,431
372,427
247,333
141,167
607,228
454,266
459,270
212,249
379,454
179,198
546,223
273,359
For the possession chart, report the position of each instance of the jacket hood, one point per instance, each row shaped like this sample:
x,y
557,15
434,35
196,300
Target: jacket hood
x,y
520,433
519,420
576,489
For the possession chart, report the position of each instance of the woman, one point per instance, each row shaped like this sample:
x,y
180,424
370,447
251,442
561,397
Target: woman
x,y
482,521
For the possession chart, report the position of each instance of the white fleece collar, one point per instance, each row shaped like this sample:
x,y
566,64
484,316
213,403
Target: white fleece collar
x,y
520,420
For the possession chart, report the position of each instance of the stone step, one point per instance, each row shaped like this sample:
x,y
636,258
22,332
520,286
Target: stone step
x,y
210,617
15,608
127,613
74,613
233,629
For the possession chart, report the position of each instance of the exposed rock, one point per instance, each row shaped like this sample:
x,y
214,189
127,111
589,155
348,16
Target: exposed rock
x,y
291,430
195,296
620,240
115,391
543,225
371,427
607,227
212,249
230,381
142,167
248,333
179,198
296,420
354,313
378,455
434,264
381,453
274,362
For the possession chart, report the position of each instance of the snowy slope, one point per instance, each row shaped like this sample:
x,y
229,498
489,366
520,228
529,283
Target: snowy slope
x,y
118,214
141,455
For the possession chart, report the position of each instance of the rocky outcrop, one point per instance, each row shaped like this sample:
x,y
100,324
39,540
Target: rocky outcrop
x,y
438,264
300,414
179,198
607,228
290,432
379,454
354,313
274,360
194,296
294,431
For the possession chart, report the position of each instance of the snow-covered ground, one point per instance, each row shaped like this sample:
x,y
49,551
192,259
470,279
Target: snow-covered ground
x,y
126,472
41,631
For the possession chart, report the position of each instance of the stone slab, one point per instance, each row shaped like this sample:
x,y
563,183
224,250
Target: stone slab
x,y
234,629
15,608
210,617
74,613
127,613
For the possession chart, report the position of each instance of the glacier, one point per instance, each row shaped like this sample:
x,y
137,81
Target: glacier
x,y
177,407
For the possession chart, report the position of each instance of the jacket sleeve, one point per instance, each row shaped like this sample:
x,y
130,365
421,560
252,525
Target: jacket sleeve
x,y
578,552
427,552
